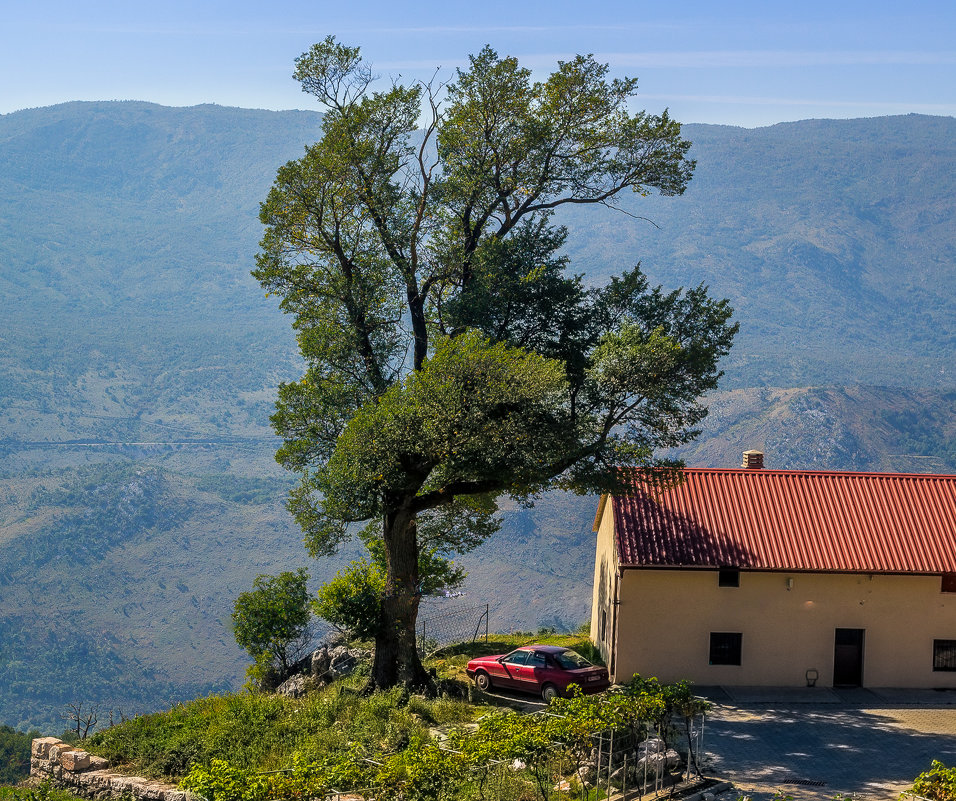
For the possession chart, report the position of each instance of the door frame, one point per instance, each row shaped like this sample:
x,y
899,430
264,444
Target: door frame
x,y
851,659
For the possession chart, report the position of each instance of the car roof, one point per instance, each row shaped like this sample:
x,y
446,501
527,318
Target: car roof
x,y
548,649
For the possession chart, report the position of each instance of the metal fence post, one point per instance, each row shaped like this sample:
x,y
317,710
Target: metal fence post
x,y
610,763
624,782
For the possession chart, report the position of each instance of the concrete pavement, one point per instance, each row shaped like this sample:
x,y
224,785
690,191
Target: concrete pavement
x,y
816,743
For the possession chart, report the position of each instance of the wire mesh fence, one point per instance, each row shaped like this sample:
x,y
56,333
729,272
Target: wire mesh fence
x,y
637,760
450,627
633,760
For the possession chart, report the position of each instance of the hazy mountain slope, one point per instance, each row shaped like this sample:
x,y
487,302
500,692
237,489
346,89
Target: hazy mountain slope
x,y
834,239
127,232
117,582
831,428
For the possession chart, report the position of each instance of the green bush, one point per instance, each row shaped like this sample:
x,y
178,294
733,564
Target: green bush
x,y
272,623
938,783
15,754
42,792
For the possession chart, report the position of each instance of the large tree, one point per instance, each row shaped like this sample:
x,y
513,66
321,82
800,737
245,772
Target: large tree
x,y
450,356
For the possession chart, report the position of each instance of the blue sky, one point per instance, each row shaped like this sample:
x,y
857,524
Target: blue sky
x,y
739,63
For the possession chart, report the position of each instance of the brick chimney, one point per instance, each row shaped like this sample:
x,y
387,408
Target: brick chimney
x,y
753,460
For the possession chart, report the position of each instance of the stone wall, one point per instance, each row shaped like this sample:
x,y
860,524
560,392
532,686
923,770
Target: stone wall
x,y
86,775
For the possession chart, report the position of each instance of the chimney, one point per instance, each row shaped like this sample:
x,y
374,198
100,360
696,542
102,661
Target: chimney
x,y
753,460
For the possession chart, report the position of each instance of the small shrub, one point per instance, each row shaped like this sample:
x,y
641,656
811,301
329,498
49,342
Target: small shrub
x,y
938,783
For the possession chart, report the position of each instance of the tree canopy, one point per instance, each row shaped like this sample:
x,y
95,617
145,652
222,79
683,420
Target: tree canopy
x,y
451,357
271,622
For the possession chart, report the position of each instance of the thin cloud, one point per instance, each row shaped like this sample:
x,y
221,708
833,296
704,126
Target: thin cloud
x,y
776,58
745,100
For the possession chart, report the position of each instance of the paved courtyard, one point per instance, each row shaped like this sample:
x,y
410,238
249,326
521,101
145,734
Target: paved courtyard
x,y
814,744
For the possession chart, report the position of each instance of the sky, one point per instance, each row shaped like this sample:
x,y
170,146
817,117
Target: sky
x,y
738,63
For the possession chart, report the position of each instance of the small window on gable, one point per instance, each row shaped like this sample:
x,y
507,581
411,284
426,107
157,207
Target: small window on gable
x,y
948,582
725,647
944,655
728,577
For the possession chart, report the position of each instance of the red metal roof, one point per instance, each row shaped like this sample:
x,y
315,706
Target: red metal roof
x,y
792,520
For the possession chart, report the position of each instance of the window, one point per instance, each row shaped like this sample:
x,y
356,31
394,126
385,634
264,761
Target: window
x,y
517,658
944,655
947,582
728,577
604,625
570,660
538,660
725,647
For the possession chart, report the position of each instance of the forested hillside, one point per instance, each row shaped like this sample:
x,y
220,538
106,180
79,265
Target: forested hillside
x,y
139,360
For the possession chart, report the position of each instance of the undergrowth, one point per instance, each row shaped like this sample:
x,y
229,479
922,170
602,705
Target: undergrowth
x,y
263,732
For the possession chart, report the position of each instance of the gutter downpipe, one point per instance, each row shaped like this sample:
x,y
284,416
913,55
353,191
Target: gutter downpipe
x,y
615,604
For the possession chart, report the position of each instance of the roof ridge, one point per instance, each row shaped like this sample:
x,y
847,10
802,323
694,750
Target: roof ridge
x,y
816,472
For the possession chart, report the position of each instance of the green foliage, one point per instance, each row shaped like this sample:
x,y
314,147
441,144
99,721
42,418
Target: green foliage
x,y
15,754
272,621
352,600
239,489
44,791
253,747
257,732
448,355
937,784
223,782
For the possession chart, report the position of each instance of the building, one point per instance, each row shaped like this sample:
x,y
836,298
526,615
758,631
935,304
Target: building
x,y
779,577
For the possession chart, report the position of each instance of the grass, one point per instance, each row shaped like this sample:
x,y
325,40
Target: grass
x,y
450,662
262,732
41,792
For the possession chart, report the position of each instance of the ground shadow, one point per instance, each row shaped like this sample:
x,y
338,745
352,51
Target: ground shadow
x,y
836,749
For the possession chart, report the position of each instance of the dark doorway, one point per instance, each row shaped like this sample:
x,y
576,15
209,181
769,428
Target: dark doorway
x,y
848,658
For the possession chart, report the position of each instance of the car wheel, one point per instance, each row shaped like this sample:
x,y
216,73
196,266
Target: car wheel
x,y
483,681
549,692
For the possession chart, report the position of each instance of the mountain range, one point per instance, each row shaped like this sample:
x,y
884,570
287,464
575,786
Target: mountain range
x,y
139,360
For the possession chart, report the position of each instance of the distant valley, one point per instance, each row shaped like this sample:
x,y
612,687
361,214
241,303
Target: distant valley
x,y
139,360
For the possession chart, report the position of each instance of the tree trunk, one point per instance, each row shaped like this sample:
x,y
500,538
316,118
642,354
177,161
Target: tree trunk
x,y
396,656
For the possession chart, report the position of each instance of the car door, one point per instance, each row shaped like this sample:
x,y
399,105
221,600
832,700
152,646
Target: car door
x,y
534,674
511,665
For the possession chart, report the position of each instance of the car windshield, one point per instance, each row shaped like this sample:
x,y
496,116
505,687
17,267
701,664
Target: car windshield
x,y
571,660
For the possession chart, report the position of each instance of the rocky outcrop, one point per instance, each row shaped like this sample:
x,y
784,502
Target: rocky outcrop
x,y
88,776
320,668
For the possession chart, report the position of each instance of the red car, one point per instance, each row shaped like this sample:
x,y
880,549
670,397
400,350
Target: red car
x,y
540,669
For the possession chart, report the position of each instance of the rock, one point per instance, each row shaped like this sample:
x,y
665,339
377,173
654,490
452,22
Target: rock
x,y
41,746
652,763
518,765
320,661
295,687
58,748
342,660
98,762
452,688
75,760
